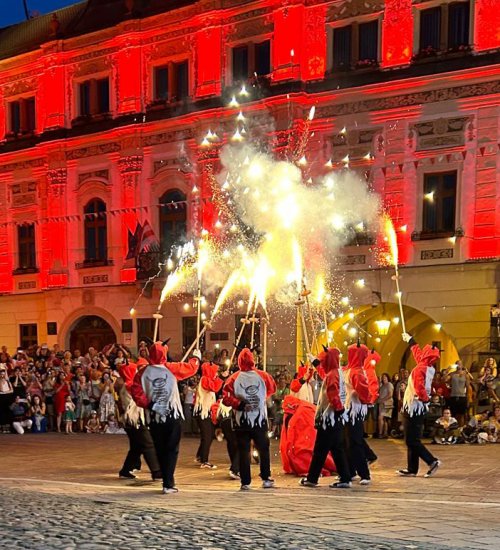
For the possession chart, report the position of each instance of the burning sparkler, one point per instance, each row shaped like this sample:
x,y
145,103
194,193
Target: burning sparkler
x,y
393,245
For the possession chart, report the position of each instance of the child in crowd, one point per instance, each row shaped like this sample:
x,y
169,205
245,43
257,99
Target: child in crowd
x,y
445,432
113,427
69,415
93,425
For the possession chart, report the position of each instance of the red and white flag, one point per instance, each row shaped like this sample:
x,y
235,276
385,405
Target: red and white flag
x,y
149,241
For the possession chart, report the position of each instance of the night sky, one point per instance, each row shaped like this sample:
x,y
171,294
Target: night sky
x,y
12,11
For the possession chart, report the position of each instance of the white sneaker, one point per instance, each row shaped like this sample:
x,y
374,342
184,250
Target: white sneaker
x,y
245,488
208,466
365,482
170,490
433,468
268,484
233,475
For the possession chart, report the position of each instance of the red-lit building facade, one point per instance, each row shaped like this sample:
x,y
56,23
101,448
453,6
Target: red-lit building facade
x,y
104,105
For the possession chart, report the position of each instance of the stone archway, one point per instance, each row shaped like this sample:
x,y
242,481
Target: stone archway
x,y
90,331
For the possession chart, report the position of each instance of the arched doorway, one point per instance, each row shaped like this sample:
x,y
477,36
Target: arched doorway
x,y
91,331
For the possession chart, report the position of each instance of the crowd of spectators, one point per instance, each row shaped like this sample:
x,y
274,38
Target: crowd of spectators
x,y
43,389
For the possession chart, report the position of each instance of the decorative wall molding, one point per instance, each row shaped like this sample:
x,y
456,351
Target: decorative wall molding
x,y
438,254
357,259
95,279
23,194
95,174
441,132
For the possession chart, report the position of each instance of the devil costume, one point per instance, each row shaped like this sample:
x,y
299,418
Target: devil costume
x,y
246,392
155,388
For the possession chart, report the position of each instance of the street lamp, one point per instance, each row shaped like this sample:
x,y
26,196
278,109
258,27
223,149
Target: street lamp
x,y
383,326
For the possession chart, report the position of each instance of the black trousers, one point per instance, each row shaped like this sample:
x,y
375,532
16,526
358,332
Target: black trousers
x,y
414,428
140,443
166,438
356,449
330,439
369,452
261,441
232,444
206,437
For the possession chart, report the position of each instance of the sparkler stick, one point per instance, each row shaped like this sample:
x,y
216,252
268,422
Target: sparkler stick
x,y
202,259
305,292
265,322
253,320
299,303
393,243
244,322
325,320
157,316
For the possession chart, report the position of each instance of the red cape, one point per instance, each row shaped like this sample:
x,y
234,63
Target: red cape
x,y
298,436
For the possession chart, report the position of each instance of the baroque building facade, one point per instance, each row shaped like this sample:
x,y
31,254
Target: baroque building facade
x,y
103,110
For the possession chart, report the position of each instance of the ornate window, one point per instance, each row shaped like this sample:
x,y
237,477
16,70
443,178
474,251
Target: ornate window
x,y
95,228
439,207
249,60
173,220
171,81
355,45
94,97
21,115
28,335
26,247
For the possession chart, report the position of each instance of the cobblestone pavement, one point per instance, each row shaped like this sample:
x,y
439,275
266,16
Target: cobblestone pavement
x,y
65,489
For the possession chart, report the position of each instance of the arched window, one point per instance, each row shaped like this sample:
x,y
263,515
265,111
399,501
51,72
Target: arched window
x,y
95,227
173,220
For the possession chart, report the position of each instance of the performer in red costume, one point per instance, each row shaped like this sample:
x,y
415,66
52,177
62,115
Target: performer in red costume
x,y
370,365
155,388
221,418
209,385
330,419
415,406
298,436
246,392
356,404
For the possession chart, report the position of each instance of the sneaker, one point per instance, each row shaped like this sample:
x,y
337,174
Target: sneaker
x,y
208,466
353,478
170,490
126,475
198,459
365,482
372,461
305,483
341,485
268,484
405,473
245,488
234,475
432,468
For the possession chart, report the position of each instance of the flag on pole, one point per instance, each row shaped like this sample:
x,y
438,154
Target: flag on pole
x,y
134,240
149,241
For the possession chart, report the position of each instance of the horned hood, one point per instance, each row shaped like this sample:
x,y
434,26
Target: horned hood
x,y
356,355
429,356
209,369
245,360
127,372
158,354
371,360
329,359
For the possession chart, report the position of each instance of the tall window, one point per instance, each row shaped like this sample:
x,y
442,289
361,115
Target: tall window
x,y
251,59
173,220
440,196
22,116
342,42
95,225
145,329
26,246
28,335
355,45
171,81
458,24
368,41
94,96
445,27
430,29
188,331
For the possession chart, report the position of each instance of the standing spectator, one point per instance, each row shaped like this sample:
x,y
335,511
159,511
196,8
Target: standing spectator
x,y
6,397
61,392
48,392
385,405
37,412
107,400
34,387
19,410
18,383
83,404
486,390
281,392
69,415
459,381
188,393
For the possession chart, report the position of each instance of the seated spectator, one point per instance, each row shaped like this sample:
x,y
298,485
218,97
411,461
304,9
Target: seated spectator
x,y
93,425
490,429
113,427
37,412
486,389
20,420
470,432
445,431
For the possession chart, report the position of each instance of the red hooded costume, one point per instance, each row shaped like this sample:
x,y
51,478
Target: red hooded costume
x,y
209,385
371,375
357,387
246,392
418,390
155,386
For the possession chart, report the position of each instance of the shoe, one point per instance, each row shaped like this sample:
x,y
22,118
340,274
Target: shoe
x,y
372,461
305,483
341,485
365,482
353,478
198,459
156,476
208,466
234,475
405,473
126,475
170,490
268,484
432,468
245,488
